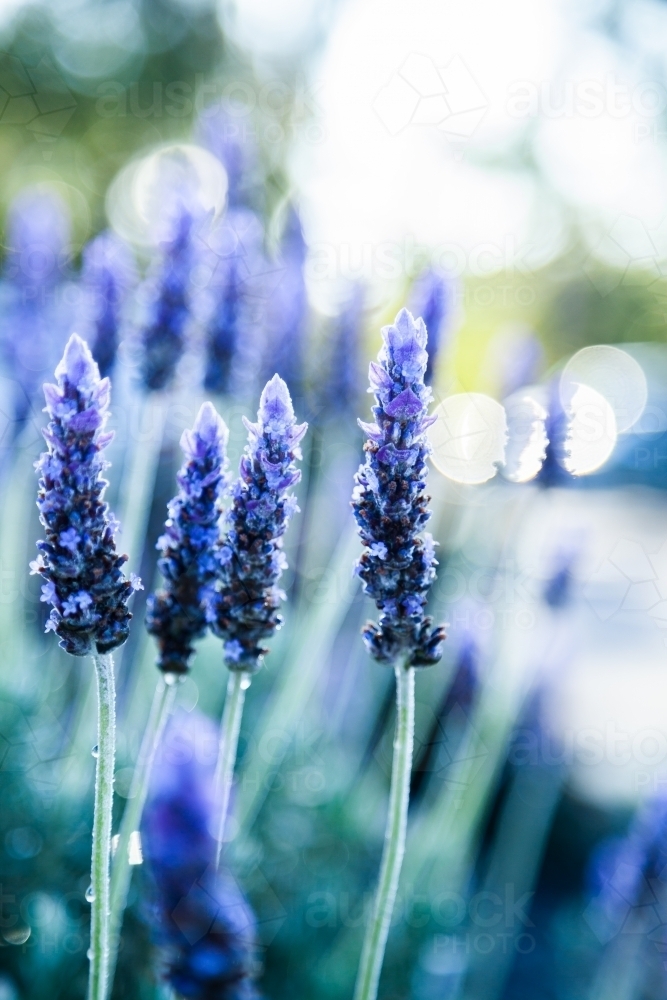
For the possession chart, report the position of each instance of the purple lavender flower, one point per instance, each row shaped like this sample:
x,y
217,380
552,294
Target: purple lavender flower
x,y
398,565
176,615
432,299
107,274
198,915
286,312
238,301
244,610
78,559
171,301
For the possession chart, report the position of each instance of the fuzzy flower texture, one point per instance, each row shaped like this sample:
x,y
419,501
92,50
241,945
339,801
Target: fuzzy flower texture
x,y
78,560
175,614
398,565
244,610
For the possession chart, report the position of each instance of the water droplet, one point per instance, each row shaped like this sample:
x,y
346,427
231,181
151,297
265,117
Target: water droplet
x,y
16,935
89,954
245,683
95,751
171,679
90,894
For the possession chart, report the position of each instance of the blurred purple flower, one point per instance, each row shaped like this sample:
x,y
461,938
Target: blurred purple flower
x,y
199,917
36,317
176,615
627,879
231,137
557,591
287,310
78,558
553,471
432,299
342,381
244,610
390,504
38,232
233,346
107,274
170,295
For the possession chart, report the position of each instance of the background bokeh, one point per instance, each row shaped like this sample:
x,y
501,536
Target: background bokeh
x,y
514,157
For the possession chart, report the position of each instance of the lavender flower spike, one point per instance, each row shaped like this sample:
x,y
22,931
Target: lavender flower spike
x,y
176,614
78,560
244,611
398,565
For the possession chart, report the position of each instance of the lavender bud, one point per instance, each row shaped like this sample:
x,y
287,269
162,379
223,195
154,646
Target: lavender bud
x,y
244,610
198,915
78,559
398,565
107,274
176,615
170,304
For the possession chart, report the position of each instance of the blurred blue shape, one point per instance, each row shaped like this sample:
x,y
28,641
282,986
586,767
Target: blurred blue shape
x,y
343,376
287,310
36,315
238,292
107,275
198,916
170,293
432,299
229,135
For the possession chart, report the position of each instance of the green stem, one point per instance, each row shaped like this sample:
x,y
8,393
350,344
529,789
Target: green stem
x,y
121,871
239,682
104,775
394,842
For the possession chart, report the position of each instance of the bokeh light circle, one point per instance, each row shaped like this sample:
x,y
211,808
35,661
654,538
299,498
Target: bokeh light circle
x,y
591,433
612,373
468,438
526,437
139,196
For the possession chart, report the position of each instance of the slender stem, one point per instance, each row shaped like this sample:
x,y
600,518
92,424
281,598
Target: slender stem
x,y
239,682
121,870
104,774
377,930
